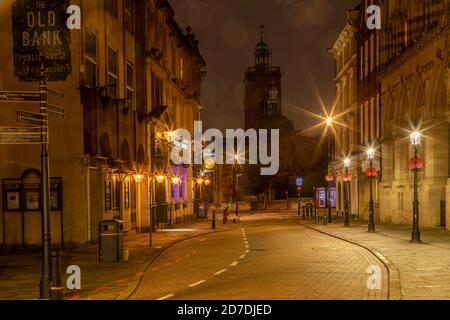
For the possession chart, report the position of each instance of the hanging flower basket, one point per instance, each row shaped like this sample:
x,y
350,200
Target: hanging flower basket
x,y
415,163
371,172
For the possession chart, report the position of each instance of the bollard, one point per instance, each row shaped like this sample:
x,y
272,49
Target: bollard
x,y
214,219
56,288
225,215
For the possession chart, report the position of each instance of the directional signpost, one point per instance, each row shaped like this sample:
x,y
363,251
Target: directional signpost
x,y
41,53
19,135
56,112
299,183
20,96
37,133
55,93
30,118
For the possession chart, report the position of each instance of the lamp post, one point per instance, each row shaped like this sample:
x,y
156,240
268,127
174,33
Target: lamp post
x,y
160,178
347,162
138,177
371,155
415,137
176,182
121,175
235,182
315,204
207,182
329,122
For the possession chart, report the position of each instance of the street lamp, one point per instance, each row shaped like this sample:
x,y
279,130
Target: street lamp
x,y
347,179
160,178
329,122
176,180
235,182
371,156
415,164
138,178
120,175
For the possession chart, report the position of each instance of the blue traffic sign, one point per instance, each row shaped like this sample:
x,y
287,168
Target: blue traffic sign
x,y
299,182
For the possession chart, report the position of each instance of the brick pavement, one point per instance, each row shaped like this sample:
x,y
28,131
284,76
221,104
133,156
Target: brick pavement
x,y
422,270
20,271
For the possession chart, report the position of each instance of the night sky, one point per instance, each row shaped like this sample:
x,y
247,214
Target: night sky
x,y
298,31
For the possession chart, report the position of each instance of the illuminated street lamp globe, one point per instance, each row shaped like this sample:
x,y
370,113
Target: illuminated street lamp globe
x,y
415,137
329,121
371,153
176,180
347,162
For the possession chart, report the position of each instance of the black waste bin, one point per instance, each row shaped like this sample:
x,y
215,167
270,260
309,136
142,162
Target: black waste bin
x,y
110,241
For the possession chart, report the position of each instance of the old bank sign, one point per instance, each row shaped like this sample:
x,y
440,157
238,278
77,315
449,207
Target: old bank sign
x,y
41,36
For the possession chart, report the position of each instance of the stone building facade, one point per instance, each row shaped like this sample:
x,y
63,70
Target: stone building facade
x,y
415,88
402,85
345,54
135,77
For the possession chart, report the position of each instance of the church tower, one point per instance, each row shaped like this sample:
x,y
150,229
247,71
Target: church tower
x,y
263,93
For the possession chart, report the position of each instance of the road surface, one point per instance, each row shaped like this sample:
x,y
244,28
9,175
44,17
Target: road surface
x,y
267,256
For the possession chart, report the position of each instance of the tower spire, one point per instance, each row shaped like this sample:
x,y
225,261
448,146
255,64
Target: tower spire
x,y
261,31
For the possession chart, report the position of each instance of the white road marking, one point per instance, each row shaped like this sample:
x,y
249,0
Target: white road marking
x,y
247,246
196,284
234,264
220,272
166,297
247,251
242,257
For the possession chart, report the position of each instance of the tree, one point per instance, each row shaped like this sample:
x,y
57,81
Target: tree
x,y
300,156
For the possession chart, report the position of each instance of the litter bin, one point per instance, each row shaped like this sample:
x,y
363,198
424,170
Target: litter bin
x,y
110,241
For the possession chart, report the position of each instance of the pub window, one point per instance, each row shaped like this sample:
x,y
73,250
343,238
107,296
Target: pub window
x,y
127,195
130,86
116,196
129,16
174,109
112,7
181,69
108,196
174,59
112,73
157,89
90,58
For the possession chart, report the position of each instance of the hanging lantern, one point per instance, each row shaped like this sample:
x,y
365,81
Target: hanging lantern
x,y
346,177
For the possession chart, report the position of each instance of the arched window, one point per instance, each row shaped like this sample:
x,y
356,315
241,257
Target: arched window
x,y
105,146
125,151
